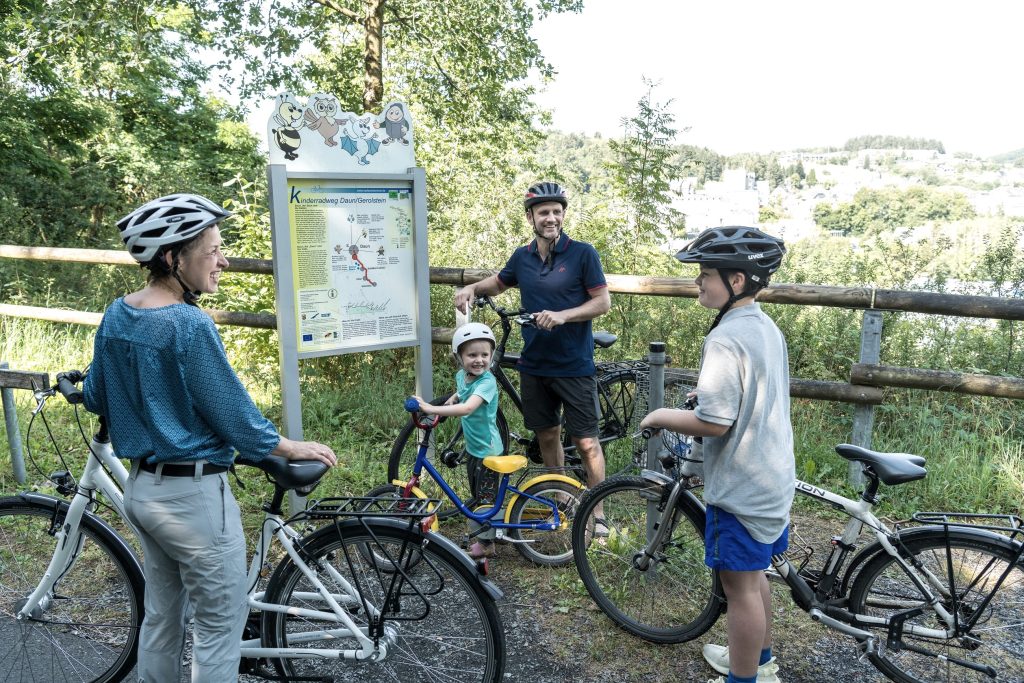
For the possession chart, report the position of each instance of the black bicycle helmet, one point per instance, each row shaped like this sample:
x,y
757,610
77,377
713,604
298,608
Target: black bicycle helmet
x,y
735,247
756,253
545,192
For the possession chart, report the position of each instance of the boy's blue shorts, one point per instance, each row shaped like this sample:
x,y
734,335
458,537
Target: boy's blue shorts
x,y
728,545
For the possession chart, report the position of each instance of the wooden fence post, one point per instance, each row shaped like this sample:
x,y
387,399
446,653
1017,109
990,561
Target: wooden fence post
x,y
864,414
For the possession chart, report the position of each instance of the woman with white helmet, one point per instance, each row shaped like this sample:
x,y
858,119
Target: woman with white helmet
x,y
176,409
476,401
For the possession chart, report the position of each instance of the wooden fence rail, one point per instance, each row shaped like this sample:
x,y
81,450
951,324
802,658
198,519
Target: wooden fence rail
x,y
865,378
807,295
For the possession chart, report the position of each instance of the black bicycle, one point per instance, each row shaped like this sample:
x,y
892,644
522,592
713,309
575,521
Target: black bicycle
x,y
621,408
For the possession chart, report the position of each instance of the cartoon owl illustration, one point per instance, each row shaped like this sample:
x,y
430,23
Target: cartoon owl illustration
x,y
320,117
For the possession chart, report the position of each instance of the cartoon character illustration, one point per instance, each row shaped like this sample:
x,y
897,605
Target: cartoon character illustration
x,y
319,116
359,140
395,124
288,115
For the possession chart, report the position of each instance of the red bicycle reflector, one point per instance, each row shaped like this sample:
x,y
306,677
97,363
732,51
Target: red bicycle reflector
x,y
482,567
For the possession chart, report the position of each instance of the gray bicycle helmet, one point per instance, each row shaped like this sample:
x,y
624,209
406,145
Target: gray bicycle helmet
x,y
545,192
756,253
739,248
167,221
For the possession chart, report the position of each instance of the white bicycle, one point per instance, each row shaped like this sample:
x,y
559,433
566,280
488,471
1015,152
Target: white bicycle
x,y
369,595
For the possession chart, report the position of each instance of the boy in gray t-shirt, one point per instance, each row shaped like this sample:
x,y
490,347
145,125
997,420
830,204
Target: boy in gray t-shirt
x,y
742,416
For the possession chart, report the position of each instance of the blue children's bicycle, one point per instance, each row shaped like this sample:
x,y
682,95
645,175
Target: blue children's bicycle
x,y
538,517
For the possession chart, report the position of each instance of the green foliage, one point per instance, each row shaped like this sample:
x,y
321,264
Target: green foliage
x,y
892,142
641,177
872,210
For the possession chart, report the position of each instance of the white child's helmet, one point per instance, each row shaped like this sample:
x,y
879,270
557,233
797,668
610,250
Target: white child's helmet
x,y
471,332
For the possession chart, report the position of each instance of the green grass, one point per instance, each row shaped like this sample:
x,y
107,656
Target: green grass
x,y
354,404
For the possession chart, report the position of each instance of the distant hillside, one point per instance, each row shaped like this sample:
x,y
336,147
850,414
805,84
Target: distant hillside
x,y
892,142
1015,157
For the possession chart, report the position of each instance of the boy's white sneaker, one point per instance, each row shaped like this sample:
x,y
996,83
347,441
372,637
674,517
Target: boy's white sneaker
x,y
718,657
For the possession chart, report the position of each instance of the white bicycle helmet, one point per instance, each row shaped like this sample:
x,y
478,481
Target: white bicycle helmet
x,y
471,332
167,221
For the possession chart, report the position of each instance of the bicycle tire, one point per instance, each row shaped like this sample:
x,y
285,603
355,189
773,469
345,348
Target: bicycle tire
x,y
674,601
617,420
545,548
624,451
447,628
882,588
90,629
446,437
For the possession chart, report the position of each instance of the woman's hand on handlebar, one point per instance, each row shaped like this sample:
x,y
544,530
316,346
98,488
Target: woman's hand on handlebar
x,y
306,450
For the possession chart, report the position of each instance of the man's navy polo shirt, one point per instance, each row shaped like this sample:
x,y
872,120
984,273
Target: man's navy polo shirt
x,y
573,271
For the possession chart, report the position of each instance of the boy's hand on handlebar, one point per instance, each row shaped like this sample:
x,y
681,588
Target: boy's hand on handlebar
x,y
306,450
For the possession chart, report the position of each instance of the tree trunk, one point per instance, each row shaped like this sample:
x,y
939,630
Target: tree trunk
x,y
373,56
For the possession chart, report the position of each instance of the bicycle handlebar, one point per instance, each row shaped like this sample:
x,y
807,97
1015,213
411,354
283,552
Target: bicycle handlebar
x,y
520,316
421,420
66,382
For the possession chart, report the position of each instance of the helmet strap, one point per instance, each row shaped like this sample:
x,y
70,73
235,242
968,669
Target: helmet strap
x,y
190,296
733,298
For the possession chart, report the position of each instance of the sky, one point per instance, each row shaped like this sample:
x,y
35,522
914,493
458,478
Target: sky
x,y
761,76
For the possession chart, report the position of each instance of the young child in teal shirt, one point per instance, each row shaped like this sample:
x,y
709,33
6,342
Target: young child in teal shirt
x,y
476,402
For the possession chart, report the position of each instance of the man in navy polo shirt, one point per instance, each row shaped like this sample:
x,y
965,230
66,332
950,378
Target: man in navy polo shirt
x,y
561,282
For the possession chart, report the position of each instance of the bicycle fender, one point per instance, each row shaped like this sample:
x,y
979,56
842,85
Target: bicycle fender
x,y
419,494
61,506
874,549
536,480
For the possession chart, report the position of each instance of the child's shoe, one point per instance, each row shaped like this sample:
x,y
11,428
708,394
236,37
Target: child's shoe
x,y
718,657
479,550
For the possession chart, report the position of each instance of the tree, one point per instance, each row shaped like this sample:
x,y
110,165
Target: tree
x,y
110,112
641,177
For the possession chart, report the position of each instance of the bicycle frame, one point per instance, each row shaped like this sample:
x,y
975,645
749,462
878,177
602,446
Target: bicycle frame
x,y
815,601
69,542
485,515
502,359
69,539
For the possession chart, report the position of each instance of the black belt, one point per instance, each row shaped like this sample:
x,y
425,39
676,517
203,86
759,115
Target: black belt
x,y
182,469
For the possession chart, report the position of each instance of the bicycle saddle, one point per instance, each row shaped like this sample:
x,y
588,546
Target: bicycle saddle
x,y
290,474
604,339
891,468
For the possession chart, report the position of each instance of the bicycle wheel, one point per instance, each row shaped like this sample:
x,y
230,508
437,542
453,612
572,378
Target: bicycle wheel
x,y
677,598
88,629
546,548
616,395
440,623
621,411
970,572
448,455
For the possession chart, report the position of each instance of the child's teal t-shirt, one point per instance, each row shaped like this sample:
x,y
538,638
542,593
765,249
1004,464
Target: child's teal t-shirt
x,y
479,427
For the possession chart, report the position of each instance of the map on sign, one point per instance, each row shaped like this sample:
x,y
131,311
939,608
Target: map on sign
x,y
353,259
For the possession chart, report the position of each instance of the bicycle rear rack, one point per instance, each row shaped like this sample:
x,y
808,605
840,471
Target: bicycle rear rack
x,y
1011,524
363,506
